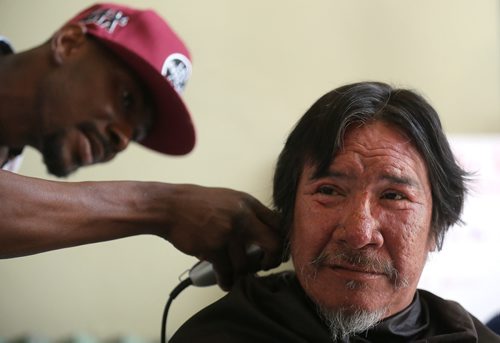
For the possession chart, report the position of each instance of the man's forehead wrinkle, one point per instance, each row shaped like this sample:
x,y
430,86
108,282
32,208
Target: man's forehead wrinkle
x,y
380,150
392,175
403,152
399,169
331,174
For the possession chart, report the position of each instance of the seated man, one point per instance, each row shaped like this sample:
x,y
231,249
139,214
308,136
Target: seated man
x,y
367,186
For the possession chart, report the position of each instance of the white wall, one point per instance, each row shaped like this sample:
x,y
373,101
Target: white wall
x,y
466,269
258,65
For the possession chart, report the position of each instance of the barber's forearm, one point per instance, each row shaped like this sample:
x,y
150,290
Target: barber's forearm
x,y
43,215
214,224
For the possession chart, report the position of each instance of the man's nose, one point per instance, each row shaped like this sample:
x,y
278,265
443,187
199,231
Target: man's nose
x,y
359,228
120,136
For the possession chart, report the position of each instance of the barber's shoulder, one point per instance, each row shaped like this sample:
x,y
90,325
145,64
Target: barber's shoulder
x,y
10,161
5,46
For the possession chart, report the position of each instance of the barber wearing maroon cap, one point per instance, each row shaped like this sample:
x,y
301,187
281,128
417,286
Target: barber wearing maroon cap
x,y
109,76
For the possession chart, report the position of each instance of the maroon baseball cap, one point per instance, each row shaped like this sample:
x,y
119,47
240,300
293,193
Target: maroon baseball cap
x,y
145,42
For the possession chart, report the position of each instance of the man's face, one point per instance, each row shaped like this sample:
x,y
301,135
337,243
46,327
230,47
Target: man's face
x,y
360,234
90,108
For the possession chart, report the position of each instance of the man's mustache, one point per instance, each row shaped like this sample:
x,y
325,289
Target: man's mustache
x,y
362,260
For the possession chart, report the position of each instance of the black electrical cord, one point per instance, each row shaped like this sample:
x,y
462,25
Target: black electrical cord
x,y
175,292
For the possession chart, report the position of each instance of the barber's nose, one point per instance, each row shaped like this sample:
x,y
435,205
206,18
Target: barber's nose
x,y
120,136
359,229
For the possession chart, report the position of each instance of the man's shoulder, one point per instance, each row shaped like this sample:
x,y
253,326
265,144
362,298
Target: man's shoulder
x,y
257,309
254,292
447,316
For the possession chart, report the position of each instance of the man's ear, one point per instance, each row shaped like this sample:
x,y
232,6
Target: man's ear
x,y
432,244
67,41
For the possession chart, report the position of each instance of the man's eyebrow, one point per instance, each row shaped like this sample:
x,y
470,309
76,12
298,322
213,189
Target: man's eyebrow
x,y
331,174
402,180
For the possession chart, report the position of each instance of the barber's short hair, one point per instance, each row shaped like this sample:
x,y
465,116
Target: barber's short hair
x,y
318,135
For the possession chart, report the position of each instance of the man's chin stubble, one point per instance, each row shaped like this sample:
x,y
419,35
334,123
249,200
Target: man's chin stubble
x,y
344,322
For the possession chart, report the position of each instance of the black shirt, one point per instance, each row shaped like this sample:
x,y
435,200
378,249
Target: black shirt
x,y
276,309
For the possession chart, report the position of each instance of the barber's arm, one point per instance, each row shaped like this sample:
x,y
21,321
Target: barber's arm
x,y
213,224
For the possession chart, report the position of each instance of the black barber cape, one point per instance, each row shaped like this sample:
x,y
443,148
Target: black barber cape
x,y
275,309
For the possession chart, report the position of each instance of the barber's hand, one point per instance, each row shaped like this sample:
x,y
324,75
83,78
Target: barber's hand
x,y
218,225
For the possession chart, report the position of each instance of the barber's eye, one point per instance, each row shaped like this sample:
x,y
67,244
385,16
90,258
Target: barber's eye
x,y
127,100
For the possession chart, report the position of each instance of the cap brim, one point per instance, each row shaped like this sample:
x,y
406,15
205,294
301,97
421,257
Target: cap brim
x,y
172,131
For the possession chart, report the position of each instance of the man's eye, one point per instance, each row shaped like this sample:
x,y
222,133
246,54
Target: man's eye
x,y
327,190
393,196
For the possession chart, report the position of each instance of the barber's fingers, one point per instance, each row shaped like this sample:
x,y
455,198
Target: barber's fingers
x,y
236,262
272,249
268,217
233,263
240,261
254,225
263,230
223,270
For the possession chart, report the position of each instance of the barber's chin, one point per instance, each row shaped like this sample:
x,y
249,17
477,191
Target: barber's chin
x,y
60,167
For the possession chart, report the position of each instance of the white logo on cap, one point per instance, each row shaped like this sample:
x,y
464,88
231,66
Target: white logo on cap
x,y
177,70
107,19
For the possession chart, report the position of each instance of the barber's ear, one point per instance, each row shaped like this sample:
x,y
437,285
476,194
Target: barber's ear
x,y
67,41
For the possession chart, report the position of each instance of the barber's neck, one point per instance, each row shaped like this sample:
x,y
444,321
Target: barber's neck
x,y
20,76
